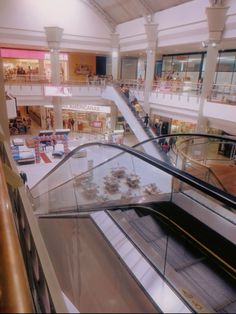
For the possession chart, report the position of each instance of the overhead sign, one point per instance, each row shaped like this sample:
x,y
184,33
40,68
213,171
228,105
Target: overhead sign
x,y
87,108
61,91
29,54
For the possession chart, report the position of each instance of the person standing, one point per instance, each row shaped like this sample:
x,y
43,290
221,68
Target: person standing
x,y
23,177
158,126
138,109
72,122
48,123
146,120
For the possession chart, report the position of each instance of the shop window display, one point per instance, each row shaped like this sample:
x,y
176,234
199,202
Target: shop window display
x,y
87,122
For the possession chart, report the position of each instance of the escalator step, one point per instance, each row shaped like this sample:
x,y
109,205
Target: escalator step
x,y
147,228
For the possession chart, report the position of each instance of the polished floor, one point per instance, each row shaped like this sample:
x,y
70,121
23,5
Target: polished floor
x,y
226,175
35,172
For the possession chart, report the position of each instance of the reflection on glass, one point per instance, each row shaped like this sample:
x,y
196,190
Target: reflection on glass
x,y
108,176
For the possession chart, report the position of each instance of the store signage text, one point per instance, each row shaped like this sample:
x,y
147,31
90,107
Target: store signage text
x,y
88,108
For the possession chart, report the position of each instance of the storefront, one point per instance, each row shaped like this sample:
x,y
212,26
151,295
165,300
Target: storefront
x,y
84,118
171,126
30,65
185,67
179,126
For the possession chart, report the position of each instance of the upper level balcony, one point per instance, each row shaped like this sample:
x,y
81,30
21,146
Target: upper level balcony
x,y
172,99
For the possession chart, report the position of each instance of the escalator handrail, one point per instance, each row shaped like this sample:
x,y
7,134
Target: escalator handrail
x,y
15,294
199,163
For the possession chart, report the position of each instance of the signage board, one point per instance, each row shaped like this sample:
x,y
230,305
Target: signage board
x,y
87,108
61,91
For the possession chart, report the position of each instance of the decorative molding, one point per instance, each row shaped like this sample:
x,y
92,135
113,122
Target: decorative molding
x,y
54,36
19,38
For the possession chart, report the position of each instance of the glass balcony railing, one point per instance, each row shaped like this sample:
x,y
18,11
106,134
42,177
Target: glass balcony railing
x,y
220,93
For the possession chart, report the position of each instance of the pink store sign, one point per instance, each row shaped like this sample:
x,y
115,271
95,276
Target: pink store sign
x,y
28,54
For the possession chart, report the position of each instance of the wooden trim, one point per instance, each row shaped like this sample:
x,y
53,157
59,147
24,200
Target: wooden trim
x,y
15,296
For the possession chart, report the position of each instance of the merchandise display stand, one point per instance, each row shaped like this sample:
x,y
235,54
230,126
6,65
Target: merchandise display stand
x,y
38,140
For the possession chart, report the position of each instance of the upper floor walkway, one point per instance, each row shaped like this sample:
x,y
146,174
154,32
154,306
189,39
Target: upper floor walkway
x,y
176,100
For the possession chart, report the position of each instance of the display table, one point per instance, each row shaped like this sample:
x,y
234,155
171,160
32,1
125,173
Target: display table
x,y
118,172
133,180
111,184
62,131
45,132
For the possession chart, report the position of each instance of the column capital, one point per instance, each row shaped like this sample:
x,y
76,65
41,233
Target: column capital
x,y
216,16
54,36
115,41
151,32
217,3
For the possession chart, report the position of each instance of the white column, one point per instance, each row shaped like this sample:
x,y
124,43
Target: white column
x,y
151,31
209,74
54,35
41,68
43,117
113,114
216,15
3,105
141,68
115,56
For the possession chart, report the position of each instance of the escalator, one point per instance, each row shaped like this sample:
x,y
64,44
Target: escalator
x,y
135,121
121,241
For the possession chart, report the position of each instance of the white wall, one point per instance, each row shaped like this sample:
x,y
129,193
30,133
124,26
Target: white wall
x,y
220,111
73,15
23,21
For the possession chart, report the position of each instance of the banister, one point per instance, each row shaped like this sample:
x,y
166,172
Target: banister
x,y
15,296
180,151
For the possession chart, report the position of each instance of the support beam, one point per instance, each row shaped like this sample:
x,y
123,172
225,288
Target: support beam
x,y
145,8
99,11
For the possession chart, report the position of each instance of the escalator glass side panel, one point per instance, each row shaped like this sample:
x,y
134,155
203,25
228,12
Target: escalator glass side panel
x,y
122,180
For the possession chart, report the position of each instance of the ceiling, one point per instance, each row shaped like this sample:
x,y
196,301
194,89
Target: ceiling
x,y
115,12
